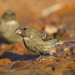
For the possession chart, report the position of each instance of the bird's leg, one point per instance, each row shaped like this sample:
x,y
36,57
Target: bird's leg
x,y
51,57
50,53
39,58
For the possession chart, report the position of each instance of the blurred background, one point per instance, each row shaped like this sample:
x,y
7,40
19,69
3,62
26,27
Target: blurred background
x,y
49,16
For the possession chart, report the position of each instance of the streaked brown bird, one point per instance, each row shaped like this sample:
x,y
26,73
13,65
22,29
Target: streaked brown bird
x,y
8,24
37,41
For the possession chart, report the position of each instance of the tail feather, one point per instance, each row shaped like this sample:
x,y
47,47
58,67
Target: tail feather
x,y
67,41
59,42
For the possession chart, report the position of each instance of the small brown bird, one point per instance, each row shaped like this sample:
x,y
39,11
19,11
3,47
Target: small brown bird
x,y
37,41
8,24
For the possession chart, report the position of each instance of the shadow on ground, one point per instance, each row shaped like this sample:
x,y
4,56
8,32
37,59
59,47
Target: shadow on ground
x,y
15,57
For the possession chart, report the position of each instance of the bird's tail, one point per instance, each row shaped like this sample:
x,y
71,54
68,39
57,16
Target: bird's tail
x,y
59,42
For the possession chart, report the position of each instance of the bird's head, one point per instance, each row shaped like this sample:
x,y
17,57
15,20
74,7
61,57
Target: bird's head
x,y
8,15
25,31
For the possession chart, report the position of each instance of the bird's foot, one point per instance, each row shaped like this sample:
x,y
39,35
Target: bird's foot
x,y
45,58
39,58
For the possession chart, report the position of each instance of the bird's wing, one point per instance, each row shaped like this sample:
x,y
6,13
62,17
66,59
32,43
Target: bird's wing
x,y
46,37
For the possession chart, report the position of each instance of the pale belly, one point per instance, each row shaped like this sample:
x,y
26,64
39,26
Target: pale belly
x,y
39,46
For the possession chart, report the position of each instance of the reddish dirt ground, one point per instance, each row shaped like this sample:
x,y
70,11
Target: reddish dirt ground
x,y
15,59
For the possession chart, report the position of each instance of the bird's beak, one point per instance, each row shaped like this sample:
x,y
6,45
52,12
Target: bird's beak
x,y
17,31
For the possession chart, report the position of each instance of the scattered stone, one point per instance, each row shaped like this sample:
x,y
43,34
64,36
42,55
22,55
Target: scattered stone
x,y
5,61
50,29
61,60
35,62
73,52
65,64
5,67
58,54
69,58
64,55
36,66
21,65
66,49
47,59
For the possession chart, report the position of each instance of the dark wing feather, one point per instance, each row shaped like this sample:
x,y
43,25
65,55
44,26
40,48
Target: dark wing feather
x,y
46,37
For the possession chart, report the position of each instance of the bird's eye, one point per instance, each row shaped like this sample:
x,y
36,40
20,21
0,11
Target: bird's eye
x,y
24,28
